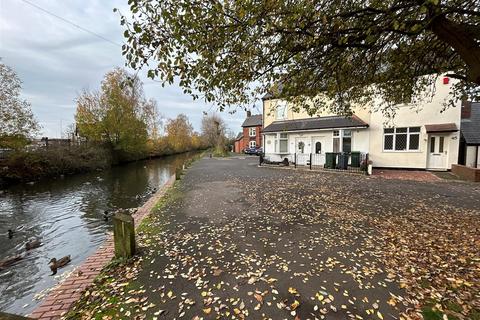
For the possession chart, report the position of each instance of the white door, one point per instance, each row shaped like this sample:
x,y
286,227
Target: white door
x,y
437,152
318,151
301,149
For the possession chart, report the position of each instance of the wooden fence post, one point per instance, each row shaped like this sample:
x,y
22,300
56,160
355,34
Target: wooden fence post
x,y
310,161
178,173
124,235
295,160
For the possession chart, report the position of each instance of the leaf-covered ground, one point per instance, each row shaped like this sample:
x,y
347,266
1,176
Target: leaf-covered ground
x,y
234,241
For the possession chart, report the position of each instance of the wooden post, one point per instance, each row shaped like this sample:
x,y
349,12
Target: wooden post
x,y
295,160
124,235
310,161
178,173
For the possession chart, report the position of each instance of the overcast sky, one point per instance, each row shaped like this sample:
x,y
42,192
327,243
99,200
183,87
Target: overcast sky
x,y
56,60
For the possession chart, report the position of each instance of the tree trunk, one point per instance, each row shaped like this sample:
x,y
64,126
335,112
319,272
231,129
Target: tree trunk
x,y
466,47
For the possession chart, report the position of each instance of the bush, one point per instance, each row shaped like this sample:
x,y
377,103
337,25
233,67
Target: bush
x,y
54,161
220,152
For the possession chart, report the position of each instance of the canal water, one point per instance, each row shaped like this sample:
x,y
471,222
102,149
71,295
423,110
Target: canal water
x,y
67,216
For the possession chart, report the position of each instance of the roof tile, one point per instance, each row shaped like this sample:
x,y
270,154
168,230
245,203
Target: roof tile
x,y
315,123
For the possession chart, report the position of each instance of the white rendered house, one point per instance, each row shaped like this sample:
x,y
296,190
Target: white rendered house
x,y
424,137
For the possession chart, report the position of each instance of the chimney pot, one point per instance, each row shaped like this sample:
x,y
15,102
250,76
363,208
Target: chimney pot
x,y
249,113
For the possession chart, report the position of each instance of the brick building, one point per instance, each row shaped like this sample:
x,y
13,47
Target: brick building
x,y
251,135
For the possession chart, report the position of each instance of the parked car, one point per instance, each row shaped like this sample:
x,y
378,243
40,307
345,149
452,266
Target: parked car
x,y
254,150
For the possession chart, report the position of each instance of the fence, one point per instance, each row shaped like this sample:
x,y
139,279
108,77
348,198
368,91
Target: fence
x,y
356,162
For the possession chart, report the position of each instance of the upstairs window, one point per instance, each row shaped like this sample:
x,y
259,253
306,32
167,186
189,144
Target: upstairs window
x,y
401,139
252,132
281,111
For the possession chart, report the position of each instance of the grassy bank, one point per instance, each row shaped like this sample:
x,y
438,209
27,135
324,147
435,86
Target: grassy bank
x,y
22,166
25,166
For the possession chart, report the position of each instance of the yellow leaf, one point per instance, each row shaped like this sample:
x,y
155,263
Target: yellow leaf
x,y
294,305
207,310
292,290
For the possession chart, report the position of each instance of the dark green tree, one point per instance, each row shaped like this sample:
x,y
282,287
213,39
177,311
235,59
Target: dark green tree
x,y
232,51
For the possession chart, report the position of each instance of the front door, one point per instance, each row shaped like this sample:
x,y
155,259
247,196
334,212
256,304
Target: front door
x,y
318,151
301,149
437,152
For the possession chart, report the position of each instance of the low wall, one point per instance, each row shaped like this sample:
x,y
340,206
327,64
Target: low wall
x,y
466,173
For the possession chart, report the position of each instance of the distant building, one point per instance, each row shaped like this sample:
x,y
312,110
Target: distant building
x,y
239,146
55,142
251,136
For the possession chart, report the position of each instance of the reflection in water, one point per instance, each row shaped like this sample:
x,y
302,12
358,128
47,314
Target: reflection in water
x,y
67,215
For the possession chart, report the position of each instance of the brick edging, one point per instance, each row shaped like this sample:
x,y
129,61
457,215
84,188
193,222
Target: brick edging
x,y
61,299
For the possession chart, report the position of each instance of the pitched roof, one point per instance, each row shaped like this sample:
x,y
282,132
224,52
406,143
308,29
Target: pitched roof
x,y
441,127
470,127
239,136
253,121
316,123
270,93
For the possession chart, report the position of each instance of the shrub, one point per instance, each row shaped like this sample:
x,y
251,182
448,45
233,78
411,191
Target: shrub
x,y
54,161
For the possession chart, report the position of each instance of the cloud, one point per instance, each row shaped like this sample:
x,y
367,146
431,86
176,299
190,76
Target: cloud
x,y
56,60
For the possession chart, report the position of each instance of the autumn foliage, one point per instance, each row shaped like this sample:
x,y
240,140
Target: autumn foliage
x,y
123,120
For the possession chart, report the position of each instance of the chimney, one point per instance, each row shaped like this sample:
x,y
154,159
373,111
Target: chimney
x,y
466,109
249,113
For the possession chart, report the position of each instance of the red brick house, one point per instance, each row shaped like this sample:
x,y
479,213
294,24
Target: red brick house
x,y
239,146
251,135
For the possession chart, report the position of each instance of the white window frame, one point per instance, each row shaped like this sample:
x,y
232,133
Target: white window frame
x,y
252,144
281,111
277,139
408,133
340,134
252,132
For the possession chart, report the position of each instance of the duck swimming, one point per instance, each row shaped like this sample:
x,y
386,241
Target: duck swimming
x,y
56,264
105,215
33,244
9,261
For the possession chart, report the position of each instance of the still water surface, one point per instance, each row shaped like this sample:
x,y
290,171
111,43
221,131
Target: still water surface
x,y
67,215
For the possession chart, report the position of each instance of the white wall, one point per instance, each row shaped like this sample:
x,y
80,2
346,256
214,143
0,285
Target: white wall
x,y
429,112
470,157
269,145
360,140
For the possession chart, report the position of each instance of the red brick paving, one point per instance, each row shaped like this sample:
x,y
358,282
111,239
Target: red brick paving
x,y
406,175
60,300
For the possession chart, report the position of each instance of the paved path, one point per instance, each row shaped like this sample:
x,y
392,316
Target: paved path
x,y
237,241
